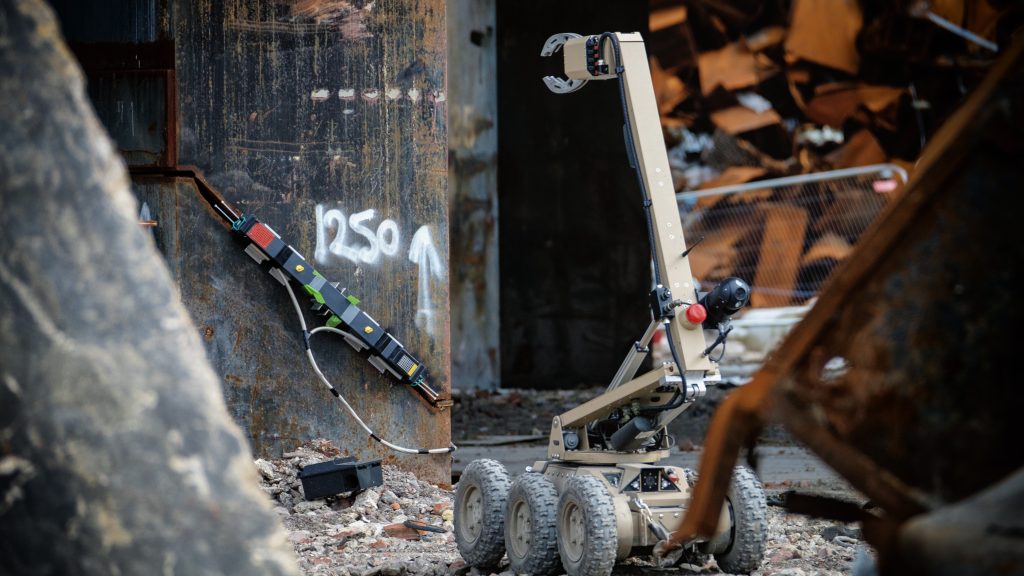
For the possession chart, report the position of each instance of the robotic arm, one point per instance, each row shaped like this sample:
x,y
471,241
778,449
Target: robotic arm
x,y
628,420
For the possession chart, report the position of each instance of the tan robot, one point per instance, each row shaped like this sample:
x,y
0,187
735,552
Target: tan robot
x,y
600,496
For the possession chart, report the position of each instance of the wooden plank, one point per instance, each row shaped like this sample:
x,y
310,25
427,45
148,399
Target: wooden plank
x,y
825,32
779,260
740,119
733,67
669,90
668,17
828,247
833,104
718,256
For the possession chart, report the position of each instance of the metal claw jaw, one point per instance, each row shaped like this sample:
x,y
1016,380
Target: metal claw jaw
x,y
554,83
556,41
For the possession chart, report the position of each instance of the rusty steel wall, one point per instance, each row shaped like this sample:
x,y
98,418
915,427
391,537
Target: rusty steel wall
x,y
327,119
473,193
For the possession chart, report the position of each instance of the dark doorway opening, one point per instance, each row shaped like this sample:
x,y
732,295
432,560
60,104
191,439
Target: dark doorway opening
x,y
574,264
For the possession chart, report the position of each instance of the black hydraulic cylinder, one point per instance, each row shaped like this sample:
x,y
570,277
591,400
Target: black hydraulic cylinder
x,y
625,439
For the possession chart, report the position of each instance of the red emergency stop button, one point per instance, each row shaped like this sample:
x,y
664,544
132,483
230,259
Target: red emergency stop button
x,y
696,314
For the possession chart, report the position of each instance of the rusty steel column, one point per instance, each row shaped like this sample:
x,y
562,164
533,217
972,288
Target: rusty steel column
x,y
473,193
327,119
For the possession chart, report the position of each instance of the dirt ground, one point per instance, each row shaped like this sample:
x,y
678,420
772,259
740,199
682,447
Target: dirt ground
x,y
366,534
511,427
484,413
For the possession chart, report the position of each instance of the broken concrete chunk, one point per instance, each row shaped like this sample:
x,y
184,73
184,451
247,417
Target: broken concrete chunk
x,y
306,506
266,469
367,500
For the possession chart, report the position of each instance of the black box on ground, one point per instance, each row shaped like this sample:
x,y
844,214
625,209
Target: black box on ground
x,y
338,476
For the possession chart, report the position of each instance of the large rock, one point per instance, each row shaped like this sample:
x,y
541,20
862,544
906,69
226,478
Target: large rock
x,y
117,455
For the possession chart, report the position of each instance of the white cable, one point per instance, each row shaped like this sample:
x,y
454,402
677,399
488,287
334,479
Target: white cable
x,y
312,361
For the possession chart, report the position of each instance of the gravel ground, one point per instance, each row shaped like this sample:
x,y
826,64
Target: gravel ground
x,y
365,534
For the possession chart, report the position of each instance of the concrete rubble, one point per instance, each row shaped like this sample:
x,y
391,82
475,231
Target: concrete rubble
x,y
364,534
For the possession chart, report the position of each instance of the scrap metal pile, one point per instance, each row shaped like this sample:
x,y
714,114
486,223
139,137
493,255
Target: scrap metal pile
x,y
754,90
924,316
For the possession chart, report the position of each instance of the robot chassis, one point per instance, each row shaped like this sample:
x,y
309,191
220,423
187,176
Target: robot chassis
x,y
600,497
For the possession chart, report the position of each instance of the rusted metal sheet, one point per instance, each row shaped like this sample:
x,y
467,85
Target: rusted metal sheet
x,y
903,376
473,193
125,22
326,119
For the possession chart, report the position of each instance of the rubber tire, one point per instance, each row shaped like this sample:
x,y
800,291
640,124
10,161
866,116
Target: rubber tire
x,y
535,496
491,481
749,510
600,539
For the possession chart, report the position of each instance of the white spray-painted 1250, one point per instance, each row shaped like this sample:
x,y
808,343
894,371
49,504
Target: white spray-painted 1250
x,y
368,245
384,240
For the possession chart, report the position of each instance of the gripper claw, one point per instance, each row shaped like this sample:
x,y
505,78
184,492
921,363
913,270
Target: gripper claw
x,y
555,84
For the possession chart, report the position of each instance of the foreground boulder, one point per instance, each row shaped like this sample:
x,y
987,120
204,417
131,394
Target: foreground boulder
x,y
117,454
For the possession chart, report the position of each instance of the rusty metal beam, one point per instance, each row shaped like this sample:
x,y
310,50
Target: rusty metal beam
x,y
777,391
885,489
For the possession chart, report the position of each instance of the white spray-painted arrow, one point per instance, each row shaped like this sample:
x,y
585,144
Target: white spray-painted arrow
x,y
424,254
